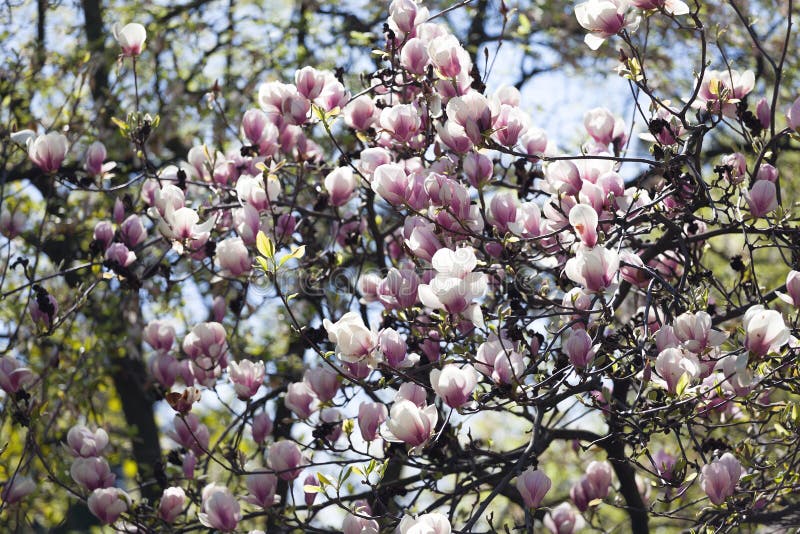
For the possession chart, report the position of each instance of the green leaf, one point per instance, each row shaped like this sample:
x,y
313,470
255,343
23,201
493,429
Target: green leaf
x,y
297,253
310,488
683,383
323,480
265,245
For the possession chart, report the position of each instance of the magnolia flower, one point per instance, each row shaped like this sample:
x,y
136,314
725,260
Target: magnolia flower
x,y
762,198
159,335
579,349
340,185
299,399
411,424
455,286
285,459
603,18
454,384
323,382
356,524
130,37
792,295
233,257
13,376
584,220
107,504
533,485
593,268
83,442
262,488
694,330
721,90
434,523
94,158
371,415
48,151
793,115
184,224
354,341
172,502
719,478
17,488
765,330
220,510
673,7
672,364
92,473
563,519
261,427
247,377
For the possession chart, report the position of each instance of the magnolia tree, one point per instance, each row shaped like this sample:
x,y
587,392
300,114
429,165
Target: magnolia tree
x,y
396,305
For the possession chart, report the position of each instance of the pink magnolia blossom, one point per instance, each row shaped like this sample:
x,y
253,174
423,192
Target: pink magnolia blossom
x,y
664,464
132,231
412,392
206,339
455,286
354,341
118,254
503,211
478,168
299,399
220,510
448,57
584,220
672,364
359,114
247,377
762,198
793,115
310,496
767,172
735,167
454,384
323,382
399,289
414,56
48,151
233,257
473,113
563,519
130,37
262,427
720,477
107,504
402,121
764,113
765,330
392,347
357,524
721,90
16,489
673,7
411,424
433,523
12,224
13,375
187,431
341,185
593,268
533,485
165,368
579,349
603,18
695,332
172,502
159,335
86,443
405,16
792,295
563,176
262,488
92,473
285,459
94,158
371,415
